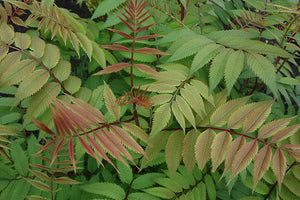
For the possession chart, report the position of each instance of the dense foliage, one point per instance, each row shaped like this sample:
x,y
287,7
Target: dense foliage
x,y
150,99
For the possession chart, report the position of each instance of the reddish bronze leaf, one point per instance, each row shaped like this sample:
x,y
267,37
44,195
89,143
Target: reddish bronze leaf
x,y
116,47
96,146
148,37
150,51
47,145
42,126
113,68
145,27
126,24
279,165
71,154
60,144
109,147
147,69
89,150
121,33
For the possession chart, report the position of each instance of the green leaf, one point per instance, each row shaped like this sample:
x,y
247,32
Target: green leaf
x,y
204,56
51,56
6,33
110,102
217,68
264,69
178,115
62,70
86,44
106,6
210,187
174,151
289,81
31,84
125,173
145,180
161,192
110,190
43,98
139,196
98,55
233,68
186,110
20,158
22,40
72,84
15,190
37,46
161,118
189,48
16,71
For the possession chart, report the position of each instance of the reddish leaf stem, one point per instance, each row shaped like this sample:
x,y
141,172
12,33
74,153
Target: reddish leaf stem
x,y
46,68
104,126
227,130
181,85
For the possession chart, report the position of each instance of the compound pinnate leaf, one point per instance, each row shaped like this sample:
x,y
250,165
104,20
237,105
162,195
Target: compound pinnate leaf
x,y
161,118
110,102
273,127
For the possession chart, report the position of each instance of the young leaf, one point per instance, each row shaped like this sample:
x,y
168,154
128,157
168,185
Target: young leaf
x,y
65,180
147,69
222,113
243,157
110,102
279,165
62,70
203,147
174,151
113,68
235,146
32,84
136,131
188,151
282,134
186,110
261,164
39,185
178,115
22,40
219,148
257,117
51,56
37,46
273,127
161,118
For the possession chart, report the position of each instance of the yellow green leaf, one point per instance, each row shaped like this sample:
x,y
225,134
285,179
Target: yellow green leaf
x,y
261,164
257,117
42,99
38,184
161,118
6,33
86,44
51,56
279,165
22,40
62,70
174,151
186,110
31,84
219,148
203,147
188,151
178,115
222,113
243,157
110,102
37,46
72,84
273,127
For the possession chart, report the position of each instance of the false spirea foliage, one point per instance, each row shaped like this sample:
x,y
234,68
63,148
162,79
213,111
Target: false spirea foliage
x,y
201,117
